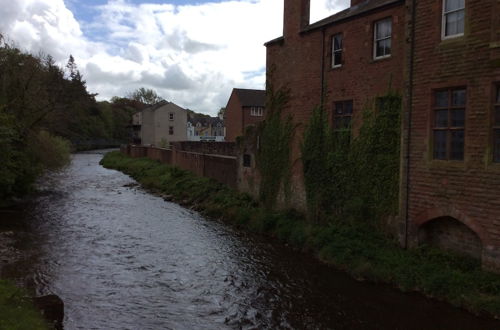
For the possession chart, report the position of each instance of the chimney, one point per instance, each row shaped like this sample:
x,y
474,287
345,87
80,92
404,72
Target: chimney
x,y
356,2
296,16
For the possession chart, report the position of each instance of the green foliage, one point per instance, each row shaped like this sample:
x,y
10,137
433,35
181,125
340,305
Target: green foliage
x,y
145,96
52,152
16,311
354,247
354,178
273,156
41,107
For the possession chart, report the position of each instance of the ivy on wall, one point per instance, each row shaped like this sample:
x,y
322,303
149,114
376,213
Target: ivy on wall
x,y
273,154
354,177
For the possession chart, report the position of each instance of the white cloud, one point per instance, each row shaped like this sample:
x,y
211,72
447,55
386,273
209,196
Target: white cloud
x,y
192,55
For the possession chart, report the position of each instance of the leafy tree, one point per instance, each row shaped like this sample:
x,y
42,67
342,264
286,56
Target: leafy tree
x,y
145,96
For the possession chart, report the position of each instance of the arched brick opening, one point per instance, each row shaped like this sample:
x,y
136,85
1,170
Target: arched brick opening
x,y
450,234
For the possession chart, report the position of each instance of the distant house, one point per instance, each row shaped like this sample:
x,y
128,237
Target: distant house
x,y
205,128
245,107
136,127
163,123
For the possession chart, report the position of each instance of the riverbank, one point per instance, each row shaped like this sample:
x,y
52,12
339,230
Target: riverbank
x,y
17,311
356,248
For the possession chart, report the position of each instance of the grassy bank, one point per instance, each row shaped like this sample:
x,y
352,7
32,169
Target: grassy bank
x,y
356,247
16,310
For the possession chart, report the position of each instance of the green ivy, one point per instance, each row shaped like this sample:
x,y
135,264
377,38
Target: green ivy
x,y
354,177
273,154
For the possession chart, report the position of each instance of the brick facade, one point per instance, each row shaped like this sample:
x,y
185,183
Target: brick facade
x,y
238,114
450,203
465,189
301,60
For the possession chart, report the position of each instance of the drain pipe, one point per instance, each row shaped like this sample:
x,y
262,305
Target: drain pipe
x,y
322,100
409,106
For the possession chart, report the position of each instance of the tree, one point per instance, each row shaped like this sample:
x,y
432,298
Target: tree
x,y
221,112
145,96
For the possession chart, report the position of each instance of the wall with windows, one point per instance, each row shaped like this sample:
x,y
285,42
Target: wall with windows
x,y
355,59
455,137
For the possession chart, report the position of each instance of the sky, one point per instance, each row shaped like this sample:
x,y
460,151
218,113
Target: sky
x,y
191,52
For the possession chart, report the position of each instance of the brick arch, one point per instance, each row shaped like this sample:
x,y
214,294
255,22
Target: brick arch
x,y
436,213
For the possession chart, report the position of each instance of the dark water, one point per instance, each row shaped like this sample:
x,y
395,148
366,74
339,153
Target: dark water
x,y
121,258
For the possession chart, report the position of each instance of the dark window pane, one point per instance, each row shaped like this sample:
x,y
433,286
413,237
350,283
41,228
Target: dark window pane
x,y
442,99
387,46
457,145
383,47
441,119
339,108
496,147
247,160
337,42
337,58
498,95
440,144
347,122
497,116
458,118
458,98
348,107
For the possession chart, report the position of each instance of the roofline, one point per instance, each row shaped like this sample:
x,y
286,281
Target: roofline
x,y
324,22
328,22
275,41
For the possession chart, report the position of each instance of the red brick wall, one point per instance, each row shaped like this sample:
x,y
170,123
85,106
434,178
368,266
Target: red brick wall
x,y
248,119
233,118
466,190
295,62
222,168
216,148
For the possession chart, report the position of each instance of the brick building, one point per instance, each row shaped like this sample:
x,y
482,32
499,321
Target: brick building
x,y
245,107
338,53
444,57
454,156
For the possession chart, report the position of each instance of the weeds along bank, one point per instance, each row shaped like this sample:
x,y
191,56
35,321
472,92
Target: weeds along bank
x,y
17,311
355,247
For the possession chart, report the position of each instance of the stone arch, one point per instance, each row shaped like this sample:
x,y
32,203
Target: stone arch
x,y
452,230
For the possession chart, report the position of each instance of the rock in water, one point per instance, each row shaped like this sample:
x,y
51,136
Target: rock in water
x,y
52,309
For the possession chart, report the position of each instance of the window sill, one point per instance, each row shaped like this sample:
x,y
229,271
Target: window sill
x,y
381,58
455,36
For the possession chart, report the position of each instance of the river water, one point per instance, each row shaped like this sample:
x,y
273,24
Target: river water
x,y
121,258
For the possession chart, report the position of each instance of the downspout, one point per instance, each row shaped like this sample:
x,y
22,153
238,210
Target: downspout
x,y
409,107
322,96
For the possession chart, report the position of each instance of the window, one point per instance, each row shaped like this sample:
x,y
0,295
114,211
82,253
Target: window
x,y
383,36
448,124
171,116
496,125
256,111
342,115
170,130
247,160
453,18
337,50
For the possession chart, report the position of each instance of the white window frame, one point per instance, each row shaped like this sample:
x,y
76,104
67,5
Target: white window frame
x,y
340,50
256,111
375,40
443,22
171,116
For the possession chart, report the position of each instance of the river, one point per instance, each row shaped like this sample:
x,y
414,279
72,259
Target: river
x,y
121,258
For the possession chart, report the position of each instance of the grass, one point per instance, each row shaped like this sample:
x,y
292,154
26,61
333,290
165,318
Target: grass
x,y
356,247
17,311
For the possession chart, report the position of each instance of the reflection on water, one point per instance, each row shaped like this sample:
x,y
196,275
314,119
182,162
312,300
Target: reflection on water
x,y
121,258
